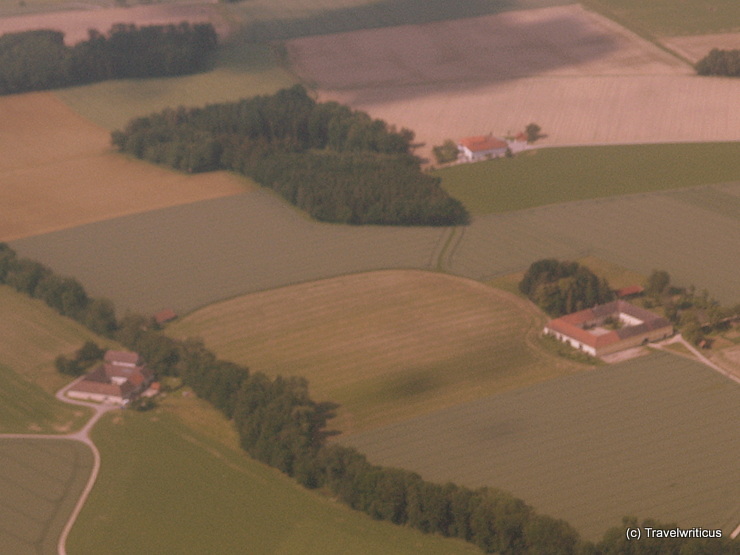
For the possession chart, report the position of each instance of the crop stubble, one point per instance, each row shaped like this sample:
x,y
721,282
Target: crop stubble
x,y
57,171
385,345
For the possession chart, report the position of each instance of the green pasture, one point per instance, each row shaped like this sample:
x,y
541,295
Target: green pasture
x,y
26,408
168,487
655,437
190,256
672,17
32,335
552,175
40,483
240,70
266,20
691,233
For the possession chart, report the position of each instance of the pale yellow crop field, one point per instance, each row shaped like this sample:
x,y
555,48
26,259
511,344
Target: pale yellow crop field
x,y
57,170
581,77
386,345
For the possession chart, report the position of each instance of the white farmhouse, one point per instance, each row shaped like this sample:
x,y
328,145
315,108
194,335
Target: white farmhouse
x,y
481,147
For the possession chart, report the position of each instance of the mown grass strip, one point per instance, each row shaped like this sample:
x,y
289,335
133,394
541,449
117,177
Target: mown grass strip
x,y
554,175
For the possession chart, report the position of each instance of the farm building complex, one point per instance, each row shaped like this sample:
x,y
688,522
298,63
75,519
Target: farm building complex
x,y
120,378
609,328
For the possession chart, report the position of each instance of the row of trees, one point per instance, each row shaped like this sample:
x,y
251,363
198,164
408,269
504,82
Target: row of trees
x,y
38,60
720,62
278,423
694,312
560,288
337,164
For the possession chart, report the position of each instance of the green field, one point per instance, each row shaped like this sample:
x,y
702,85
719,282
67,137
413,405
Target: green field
x,y
41,482
690,233
553,175
31,337
241,70
192,255
386,346
672,17
653,437
266,20
168,487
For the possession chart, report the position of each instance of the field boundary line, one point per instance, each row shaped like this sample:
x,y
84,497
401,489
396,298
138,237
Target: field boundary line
x,y
678,338
83,436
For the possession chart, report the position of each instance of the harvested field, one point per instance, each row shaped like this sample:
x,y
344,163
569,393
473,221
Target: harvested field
x,y
40,483
188,256
655,437
75,23
534,66
385,345
684,232
694,48
559,41
57,171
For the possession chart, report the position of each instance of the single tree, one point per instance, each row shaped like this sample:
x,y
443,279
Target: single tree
x,y
533,132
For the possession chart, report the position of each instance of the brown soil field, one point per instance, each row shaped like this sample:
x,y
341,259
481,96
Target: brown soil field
x,y
57,171
694,48
581,77
75,23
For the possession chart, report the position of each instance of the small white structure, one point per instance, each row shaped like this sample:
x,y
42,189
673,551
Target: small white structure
x,y
119,379
481,147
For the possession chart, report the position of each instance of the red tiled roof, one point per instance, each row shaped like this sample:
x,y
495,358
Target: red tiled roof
x,y
482,143
165,316
629,290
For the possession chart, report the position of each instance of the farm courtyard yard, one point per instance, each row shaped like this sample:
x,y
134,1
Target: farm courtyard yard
x,y
580,76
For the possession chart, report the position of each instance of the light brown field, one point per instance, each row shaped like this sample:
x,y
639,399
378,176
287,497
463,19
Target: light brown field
x,y
57,171
581,77
385,345
75,23
694,48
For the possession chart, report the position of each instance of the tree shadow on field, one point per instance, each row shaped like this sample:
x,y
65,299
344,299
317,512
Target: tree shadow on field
x,y
403,63
386,13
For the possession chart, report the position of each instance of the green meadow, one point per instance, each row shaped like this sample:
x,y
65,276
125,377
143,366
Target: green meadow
x,y
173,481
672,17
41,482
655,437
684,232
240,70
553,175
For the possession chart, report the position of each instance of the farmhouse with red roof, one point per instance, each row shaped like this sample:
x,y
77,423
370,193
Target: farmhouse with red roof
x,y
119,379
481,147
589,330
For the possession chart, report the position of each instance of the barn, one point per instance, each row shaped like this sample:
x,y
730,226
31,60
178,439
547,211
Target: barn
x,y
609,328
481,147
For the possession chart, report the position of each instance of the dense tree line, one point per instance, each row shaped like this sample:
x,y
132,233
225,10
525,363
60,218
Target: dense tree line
x,y
278,423
336,164
84,357
560,288
720,62
38,60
